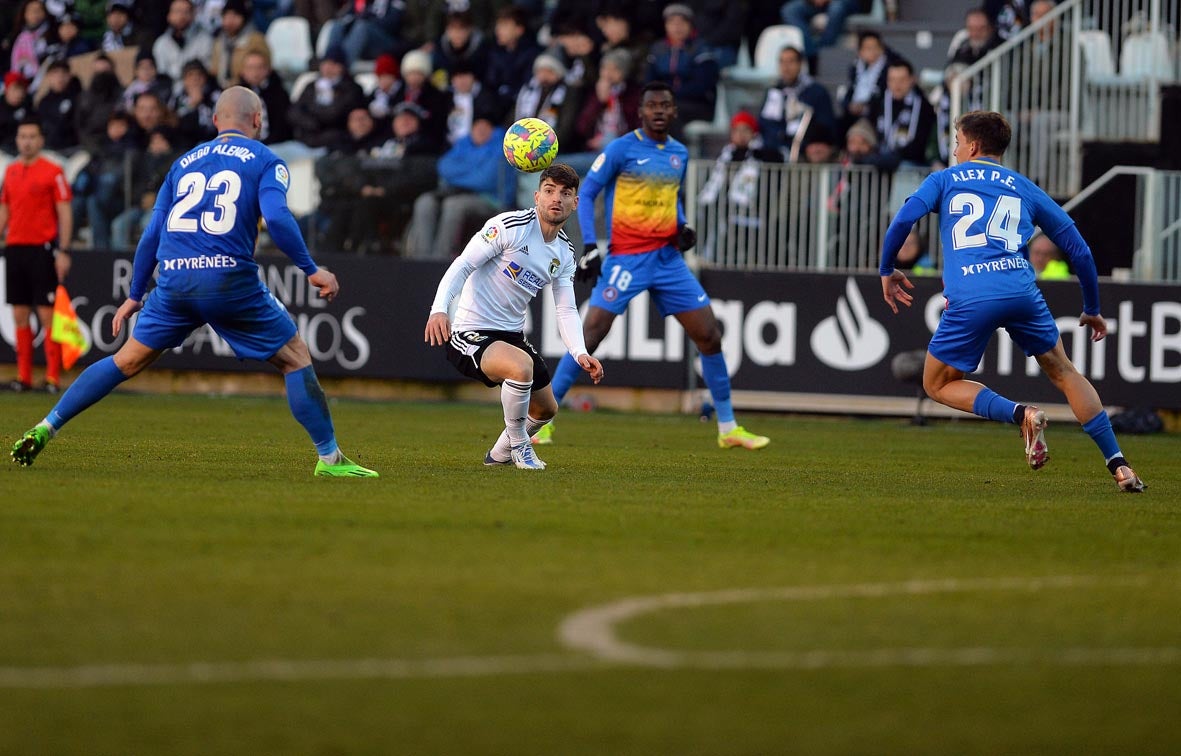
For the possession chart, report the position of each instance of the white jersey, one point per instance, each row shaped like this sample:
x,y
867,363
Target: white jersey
x,y
501,269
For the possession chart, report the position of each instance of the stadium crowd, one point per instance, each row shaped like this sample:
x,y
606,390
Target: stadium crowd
x,y
407,103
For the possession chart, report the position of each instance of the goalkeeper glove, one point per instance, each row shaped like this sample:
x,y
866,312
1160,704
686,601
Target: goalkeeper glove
x,y
590,265
686,238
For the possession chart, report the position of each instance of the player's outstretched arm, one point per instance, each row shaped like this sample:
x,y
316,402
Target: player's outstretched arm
x,y
438,329
592,366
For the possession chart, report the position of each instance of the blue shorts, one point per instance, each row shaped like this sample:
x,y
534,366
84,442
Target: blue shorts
x,y
255,325
662,273
964,330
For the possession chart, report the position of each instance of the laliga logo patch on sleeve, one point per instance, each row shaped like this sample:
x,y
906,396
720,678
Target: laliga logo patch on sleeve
x,y
595,166
491,233
282,176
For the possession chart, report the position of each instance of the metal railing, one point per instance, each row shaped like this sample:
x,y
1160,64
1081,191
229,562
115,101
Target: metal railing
x,y
1157,239
761,216
1088,69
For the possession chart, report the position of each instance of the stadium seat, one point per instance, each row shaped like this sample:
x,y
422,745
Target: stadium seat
x,y
290,40
1146,55
1097,59
302,81
304,195
323,37
367,80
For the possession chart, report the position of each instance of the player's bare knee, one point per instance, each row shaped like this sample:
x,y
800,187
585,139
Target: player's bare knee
x,y
710,342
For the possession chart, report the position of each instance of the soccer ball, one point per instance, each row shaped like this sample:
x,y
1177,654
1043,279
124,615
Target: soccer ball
x,y
530,145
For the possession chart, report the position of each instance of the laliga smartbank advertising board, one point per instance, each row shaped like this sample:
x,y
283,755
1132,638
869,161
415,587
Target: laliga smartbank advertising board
x,y
798,332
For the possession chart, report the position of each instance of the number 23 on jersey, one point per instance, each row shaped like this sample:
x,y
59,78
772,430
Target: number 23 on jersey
x,y
224,186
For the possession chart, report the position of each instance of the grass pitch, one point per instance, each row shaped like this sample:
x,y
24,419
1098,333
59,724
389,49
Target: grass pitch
x,y
174,581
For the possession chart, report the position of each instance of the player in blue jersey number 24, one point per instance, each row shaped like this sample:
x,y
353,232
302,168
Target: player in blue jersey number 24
x,y
987,215
201,236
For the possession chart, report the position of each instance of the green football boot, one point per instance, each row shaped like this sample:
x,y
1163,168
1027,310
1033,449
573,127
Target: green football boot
x,y
345,468
29,446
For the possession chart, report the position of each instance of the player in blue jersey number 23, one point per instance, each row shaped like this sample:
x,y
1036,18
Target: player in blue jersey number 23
x,y
987,215
201,236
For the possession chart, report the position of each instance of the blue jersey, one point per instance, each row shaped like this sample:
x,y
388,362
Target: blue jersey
x,y
644,181
987,215
208,213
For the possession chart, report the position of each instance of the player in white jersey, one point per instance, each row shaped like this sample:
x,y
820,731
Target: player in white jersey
x,y
501,269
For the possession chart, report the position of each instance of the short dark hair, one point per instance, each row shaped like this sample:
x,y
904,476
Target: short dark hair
x,y
561,174
31,121
870,34
791,49
987,128
901,63
514,13
656,86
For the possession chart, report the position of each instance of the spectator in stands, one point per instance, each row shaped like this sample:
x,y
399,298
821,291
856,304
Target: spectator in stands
x,y
182,41
236,38
15,106
91,18
148,114
579,53
980,38
468,97
416,87
367,28
147,78
689,67
474,183
57,106
615,25
903,118
152,17
794,102
32,38
381,99
940,99
801,13
98,189
510,61
546,96
730,193
121,30
867,77
96,104
266,11
339,173
819,145
317,12
461,43
319,115
760,14
612,110
148,170
391,178
862,147
258,76
1008,16
193,105
721,23
1046,259
69,39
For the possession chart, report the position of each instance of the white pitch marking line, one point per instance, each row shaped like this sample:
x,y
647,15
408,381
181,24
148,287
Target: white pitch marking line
x,y
592,631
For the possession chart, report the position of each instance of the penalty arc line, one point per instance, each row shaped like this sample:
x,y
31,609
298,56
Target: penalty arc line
x,y
590,633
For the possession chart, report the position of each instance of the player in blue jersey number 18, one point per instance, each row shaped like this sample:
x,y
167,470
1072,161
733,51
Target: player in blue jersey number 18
x,y
201,235
987,215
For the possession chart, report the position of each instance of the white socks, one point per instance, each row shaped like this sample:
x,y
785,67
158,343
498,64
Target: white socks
x,y
514,398
502,447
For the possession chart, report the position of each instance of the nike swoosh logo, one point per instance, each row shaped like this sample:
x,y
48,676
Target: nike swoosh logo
x,y
701,298
641,162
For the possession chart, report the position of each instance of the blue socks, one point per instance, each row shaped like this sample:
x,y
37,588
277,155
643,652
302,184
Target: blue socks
x,y
1099,429
991,405
93,384
310,408
717,379
564,376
